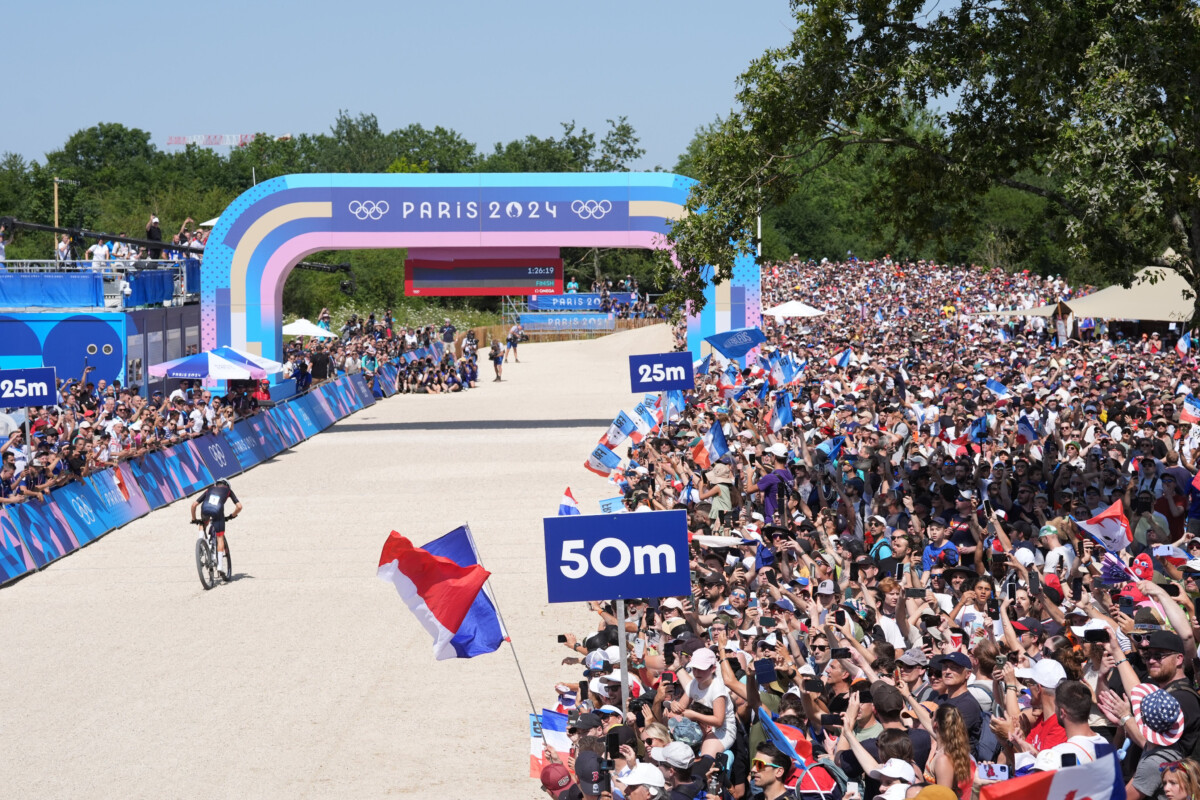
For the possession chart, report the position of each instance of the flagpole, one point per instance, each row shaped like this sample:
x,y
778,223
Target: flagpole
x,y
507,638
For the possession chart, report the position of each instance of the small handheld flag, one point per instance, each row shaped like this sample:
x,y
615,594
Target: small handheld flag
x,y
567,507
1026,433
999,390
783,412
622,428
1190,413
1184,344
602,461
1110,528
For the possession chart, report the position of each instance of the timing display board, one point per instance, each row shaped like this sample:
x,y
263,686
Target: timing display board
x,y
474,277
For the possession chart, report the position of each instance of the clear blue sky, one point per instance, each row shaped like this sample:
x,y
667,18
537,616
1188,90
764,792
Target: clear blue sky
x,y
492,71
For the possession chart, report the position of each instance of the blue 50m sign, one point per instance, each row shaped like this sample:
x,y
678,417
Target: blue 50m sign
x,y
617,556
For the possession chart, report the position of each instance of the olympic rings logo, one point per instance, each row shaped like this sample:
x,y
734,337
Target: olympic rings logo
x,y
368,209
591,209
84,510
217,454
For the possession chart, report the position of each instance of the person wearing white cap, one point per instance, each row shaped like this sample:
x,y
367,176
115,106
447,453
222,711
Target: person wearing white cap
x,y
1073,705
709,689
894,771
644,782
1046,675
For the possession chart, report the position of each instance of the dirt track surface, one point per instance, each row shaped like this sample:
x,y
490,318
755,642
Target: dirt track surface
x,y
307,677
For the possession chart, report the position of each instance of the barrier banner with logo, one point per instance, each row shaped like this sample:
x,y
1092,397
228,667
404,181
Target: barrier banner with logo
x,y
15,558
244,444
120,498
320,409
285,422
359,384
218,456
575,302
76,507
171,474
47,536
337,399
301,410
268,434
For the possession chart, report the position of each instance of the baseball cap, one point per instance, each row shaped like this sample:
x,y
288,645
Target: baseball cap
x,y
957,659
784,604
887,699
825,587
1162,640
779,449
609,710
555,778
703,659
645,775
1029,625
897,770
585,722
1046,673
671,602
587,770
677,754
913,657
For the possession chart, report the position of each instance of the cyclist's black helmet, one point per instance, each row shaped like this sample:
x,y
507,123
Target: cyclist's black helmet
x,y
220,482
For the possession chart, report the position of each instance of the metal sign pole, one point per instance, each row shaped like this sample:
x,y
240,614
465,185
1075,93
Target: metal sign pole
x,y
622,643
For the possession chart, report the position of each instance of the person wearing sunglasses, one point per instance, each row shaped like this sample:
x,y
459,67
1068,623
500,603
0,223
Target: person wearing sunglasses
x,y
768,769
1181,780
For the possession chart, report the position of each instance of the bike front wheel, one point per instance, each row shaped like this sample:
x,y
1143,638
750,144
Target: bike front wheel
x,y
204,564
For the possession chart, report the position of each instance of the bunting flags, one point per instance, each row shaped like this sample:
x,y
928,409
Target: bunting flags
x,y
1110,528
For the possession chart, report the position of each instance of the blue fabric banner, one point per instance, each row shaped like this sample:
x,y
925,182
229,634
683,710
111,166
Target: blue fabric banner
x,y
359,384
301,411
574,302
76,507
244,445
15,558
286,426
191,275
218,456
579,321
119,498
47,536
736,343
171,474
51,290
150,287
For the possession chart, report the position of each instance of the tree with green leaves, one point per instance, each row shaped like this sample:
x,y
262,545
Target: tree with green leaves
x,y
1088,110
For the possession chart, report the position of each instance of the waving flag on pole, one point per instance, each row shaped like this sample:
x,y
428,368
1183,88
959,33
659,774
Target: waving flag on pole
x,y
1110,528
675,405
1096,780
622,428
651,417
567,507
553,727
979,429
602,461
832,447
1184,344
842,361
1190,412
439,591
783,412
1003,395
710,447
1026,433
482,630
701,367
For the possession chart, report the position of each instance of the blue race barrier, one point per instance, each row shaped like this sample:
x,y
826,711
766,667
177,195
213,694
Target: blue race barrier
x,y
191,275
36,533
150,287
51,290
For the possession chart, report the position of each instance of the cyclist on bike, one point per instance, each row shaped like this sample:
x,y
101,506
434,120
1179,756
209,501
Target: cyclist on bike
x,y
212,510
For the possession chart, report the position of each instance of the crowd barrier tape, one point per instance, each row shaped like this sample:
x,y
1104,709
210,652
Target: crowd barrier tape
x,y
38,532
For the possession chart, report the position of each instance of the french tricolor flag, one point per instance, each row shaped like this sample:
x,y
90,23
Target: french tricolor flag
x,y
443,585
1001,392
1094,780
1026,433
567,507
710,447
842,361
1184,344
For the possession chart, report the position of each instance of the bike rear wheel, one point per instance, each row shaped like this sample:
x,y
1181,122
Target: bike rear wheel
x,y
228,575
204,564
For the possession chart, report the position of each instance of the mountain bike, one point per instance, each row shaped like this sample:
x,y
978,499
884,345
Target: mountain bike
x,y
207,556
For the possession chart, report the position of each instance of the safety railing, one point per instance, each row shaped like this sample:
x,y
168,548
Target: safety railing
x,y
110,284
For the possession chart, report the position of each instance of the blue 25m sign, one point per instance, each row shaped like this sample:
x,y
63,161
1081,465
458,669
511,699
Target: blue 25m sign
x,y
617,556
28,387
661,372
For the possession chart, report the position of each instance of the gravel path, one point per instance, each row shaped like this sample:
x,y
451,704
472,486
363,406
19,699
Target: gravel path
x,y
307,677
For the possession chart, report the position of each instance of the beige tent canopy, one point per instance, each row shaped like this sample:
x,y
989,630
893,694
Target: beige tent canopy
x,y
1156,294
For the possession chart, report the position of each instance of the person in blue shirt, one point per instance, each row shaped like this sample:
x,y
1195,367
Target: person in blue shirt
x,y
939,552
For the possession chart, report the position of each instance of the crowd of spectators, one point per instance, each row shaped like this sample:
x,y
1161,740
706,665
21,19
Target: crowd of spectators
x,y
97,423
905,580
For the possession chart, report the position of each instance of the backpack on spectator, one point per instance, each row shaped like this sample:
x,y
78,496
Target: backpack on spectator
x,y
988,746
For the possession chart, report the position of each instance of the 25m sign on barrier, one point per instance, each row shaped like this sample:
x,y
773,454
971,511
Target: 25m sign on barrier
x,y
28,387
661,372
616,556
